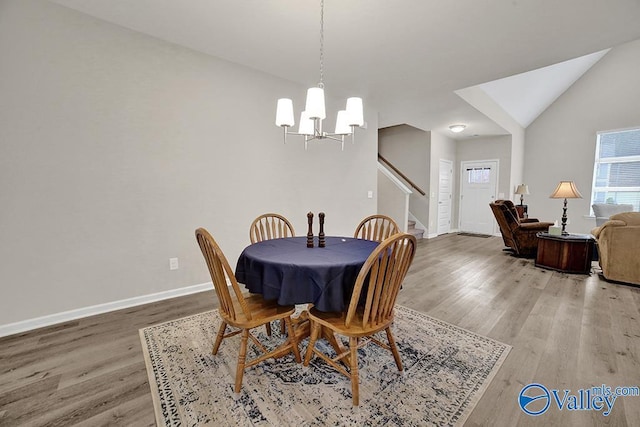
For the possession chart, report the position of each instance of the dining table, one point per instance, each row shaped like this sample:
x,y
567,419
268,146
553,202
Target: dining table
x,y
288,271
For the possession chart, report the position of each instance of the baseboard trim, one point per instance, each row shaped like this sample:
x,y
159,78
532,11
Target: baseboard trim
x,y
65,316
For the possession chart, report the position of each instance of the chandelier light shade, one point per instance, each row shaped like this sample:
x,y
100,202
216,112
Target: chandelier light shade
x,y
284,112
565,190
522,189
315,103
306,124
342,123
311,118
355,111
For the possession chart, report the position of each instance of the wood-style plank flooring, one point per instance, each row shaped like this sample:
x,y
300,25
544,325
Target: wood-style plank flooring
x,y
567,332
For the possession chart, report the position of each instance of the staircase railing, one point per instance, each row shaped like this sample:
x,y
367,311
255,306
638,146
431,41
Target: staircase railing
x,y
403,176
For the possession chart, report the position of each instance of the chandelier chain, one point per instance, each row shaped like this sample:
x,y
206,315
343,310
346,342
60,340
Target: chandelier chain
x,y
321,44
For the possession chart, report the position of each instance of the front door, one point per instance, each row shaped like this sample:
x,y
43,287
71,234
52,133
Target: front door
x,y
478,188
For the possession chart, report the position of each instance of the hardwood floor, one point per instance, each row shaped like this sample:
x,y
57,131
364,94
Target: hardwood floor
x,y
567,331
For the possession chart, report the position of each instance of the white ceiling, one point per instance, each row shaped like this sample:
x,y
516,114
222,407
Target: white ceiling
x,y
404,57
525,96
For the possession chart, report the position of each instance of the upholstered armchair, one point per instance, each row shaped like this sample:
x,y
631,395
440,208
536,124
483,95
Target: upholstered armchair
x,y
517,234
603,211
619,247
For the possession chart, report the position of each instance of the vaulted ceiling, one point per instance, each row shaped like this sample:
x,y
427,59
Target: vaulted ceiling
x,y
404,57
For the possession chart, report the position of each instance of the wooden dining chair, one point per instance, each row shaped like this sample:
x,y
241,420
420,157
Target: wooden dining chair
x,y
266,227
270,226
380,279
243,312
376,227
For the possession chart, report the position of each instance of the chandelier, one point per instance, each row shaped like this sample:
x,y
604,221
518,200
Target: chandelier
x,y
311,118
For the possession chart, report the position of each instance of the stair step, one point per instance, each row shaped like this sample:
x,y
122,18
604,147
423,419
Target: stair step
x,y
417,232
411,223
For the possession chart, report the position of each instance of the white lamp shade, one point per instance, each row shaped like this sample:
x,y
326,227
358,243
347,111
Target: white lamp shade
x,y
342,124
566,190
284,112
355,113
306,124
522,189
315,103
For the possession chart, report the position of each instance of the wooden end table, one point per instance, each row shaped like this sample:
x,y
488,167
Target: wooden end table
x,y
568,253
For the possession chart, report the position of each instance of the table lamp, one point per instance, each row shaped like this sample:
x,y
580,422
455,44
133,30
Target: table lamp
x,y
565,190
522,190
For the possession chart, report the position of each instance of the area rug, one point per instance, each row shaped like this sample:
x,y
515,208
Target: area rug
x,y
484,236
447,369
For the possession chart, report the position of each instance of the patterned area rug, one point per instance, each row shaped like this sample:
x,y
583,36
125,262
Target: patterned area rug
x,y
447,369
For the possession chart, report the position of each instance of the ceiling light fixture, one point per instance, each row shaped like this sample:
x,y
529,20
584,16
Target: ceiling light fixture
x,y
311,118
457,128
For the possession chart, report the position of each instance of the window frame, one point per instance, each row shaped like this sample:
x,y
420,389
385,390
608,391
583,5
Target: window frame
x,y
611,160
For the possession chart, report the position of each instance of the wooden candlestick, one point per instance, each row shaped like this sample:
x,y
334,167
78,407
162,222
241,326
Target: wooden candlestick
x,y
321,233
310,230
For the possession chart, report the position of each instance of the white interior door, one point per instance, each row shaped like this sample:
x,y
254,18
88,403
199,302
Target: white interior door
x,y
445,188
478,188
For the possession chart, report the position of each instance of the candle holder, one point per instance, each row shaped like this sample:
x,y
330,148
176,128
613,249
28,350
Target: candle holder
x,y
310,230
321,242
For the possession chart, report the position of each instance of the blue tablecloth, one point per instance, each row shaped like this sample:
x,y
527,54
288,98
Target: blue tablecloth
x,y
287,271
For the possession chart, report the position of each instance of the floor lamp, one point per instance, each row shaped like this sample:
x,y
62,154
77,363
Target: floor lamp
x,y
565,190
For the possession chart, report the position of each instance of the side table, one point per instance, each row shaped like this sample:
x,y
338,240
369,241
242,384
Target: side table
x,y
569,253
522,211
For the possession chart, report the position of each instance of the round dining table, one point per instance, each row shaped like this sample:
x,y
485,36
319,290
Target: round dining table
x,y
288,271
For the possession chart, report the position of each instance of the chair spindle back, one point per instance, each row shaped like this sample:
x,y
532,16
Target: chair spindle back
x,y
376,228
221,275
270,226
383,272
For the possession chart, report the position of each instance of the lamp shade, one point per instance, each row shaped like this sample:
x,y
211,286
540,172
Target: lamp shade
x,y
566,190
284,112
315,103
355,112
522,189
342,125
306,124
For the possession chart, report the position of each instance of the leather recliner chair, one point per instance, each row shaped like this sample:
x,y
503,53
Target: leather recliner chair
x,y
619,247
518,234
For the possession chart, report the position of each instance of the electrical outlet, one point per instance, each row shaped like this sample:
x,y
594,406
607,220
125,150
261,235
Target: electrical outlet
x,y
370,194
173,264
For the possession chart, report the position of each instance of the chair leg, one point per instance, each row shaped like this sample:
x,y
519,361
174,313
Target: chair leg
x,y
267,326
315,332
292,338
355,378
241,359
221,330
282,328
394,349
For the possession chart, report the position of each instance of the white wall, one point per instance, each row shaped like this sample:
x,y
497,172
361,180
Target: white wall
x,y
115,146
393,198
485,148
409,150
560,144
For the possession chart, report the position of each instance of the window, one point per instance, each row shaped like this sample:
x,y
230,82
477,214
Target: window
x,y
478,175
616,177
